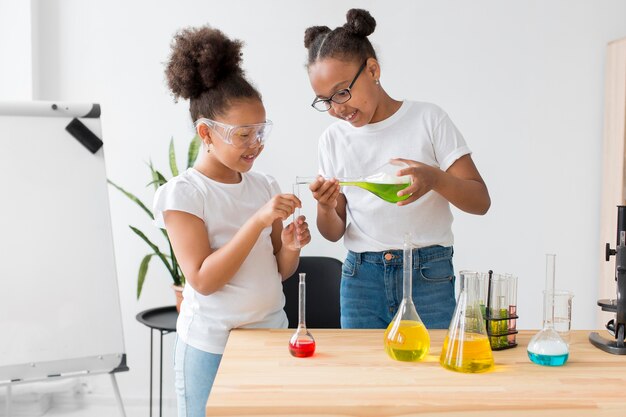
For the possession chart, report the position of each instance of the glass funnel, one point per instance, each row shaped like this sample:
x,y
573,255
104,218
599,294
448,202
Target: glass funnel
x,y
406,338
466,346
301,344
547,347
383,182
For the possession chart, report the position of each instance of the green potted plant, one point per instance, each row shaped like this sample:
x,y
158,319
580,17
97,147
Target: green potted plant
x,y
167,257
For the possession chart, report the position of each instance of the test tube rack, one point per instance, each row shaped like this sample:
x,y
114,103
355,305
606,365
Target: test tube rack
x,y
501,323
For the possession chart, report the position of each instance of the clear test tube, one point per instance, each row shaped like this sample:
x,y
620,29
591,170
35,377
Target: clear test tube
x,y
512,297
499,311
483,289
296,212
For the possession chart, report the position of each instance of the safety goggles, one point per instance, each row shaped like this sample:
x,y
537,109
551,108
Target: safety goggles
x,y
239,136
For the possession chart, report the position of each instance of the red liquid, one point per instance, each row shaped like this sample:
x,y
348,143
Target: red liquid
x,y
302,348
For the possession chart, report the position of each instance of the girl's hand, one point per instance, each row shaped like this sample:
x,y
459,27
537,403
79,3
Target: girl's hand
x,y
325,192
302,232
424,178
281,206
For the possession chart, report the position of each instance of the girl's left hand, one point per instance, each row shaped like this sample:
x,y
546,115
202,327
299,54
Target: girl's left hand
x,y
302,232
423,179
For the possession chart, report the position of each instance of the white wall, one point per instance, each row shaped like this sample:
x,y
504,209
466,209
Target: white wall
x,y
15,50
522,80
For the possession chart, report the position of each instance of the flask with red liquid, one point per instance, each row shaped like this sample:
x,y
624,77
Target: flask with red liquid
x,y
301,344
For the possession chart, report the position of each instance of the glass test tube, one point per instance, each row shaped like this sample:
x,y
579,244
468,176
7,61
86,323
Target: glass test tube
x,y
296,213
512,284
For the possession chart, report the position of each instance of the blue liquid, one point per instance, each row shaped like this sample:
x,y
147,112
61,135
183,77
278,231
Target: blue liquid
x,y
548,360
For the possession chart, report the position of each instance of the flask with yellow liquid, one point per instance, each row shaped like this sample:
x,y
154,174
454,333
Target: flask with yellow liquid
x,y
406,338
383,183
466,346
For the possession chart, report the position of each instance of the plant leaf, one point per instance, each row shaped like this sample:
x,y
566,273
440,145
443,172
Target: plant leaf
x,y
143,269
172,155
160,178
133,198
156,250
157,178
194,148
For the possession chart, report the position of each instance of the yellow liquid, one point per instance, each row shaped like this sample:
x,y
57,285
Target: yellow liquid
x,y
471,355
409,342
387,192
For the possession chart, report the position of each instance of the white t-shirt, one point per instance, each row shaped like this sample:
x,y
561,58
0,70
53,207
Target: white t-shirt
x,y
253,298
417,131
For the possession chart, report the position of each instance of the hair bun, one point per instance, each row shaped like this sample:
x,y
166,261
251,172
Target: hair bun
x,y
360,22
200,58
310,34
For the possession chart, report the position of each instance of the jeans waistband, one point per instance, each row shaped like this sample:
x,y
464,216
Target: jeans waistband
x,y
395,256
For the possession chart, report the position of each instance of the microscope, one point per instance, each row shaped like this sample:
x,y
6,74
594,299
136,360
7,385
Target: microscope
x,y
616,326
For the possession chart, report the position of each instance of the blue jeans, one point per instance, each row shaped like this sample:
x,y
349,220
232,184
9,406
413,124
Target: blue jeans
x,y
194,372
371,287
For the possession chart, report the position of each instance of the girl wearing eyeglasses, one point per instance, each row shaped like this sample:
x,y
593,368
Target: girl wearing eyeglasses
x,y
373,129
224,221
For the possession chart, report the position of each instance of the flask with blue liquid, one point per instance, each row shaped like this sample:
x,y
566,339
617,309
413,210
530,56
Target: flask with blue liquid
x,y
547,347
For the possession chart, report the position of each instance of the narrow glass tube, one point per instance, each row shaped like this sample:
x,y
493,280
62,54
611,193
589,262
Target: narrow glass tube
x,y
296,213
512,306
302,301
548,310
407,253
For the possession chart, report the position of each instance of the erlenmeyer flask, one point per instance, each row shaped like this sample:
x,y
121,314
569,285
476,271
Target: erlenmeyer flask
x,y
383,182
466,346
301,344
406,337
547,347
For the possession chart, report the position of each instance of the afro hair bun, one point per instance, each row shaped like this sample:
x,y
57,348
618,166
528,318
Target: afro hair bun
x,y
200,58
359,22
313,32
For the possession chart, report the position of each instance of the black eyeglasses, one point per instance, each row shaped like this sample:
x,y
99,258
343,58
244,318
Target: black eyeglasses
x,y
339,97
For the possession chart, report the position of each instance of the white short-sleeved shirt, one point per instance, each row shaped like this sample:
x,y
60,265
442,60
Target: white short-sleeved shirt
x,y
418,131
253,298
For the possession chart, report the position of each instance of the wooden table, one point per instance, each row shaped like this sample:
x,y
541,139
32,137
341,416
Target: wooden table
x,y
351,375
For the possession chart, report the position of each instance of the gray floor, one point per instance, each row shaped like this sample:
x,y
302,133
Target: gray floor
x,y
108,411
85,408
77,397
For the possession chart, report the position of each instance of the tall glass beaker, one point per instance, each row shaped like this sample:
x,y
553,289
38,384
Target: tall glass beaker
x,y
406,337
547,347
301,344
466,346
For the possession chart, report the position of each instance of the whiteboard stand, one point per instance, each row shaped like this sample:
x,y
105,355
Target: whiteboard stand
x,y
60,300
118,397
8,405
116,390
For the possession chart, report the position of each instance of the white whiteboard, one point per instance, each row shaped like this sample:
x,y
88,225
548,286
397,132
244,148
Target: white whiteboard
x,y
59,303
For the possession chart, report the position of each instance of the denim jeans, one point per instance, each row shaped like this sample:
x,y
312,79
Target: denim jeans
x,y
371,287
195,372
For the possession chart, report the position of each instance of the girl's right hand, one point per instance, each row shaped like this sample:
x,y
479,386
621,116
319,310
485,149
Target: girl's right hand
x,y
281,206
325,192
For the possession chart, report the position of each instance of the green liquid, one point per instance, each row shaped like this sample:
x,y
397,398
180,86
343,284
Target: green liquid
x,y
387,192
499,327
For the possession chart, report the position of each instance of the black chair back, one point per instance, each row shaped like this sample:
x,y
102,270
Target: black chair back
x,y
323,280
